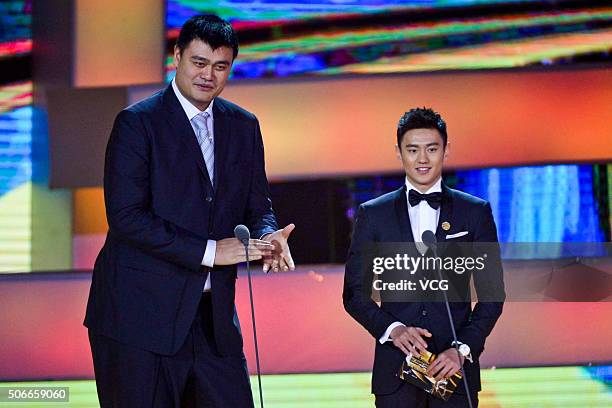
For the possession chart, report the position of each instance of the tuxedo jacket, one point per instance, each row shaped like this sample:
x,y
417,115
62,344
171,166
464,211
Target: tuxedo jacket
x,y
161,209
386,219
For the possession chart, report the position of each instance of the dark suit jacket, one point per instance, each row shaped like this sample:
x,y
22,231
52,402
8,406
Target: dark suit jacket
x,y
385,219
161,210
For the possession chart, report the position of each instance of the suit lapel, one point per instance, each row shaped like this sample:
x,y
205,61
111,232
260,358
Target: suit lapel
x,y
446,212
222,131
401,211
182,128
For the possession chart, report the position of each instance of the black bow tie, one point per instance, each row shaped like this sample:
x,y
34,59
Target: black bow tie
x,y
433,199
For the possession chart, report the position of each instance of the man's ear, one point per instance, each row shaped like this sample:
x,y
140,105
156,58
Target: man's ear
x,y
446,149
177,55
398,153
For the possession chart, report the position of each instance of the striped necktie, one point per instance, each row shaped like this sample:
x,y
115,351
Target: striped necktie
x,y
206,142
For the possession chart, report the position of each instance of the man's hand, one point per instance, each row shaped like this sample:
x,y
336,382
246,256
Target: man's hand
x,y
230,251
281,257
446,364
410,339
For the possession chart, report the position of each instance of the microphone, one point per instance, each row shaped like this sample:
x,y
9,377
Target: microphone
x,y
242,233
429,239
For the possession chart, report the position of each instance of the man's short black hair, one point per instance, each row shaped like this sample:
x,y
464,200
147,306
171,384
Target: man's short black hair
x,y
421,118
209,28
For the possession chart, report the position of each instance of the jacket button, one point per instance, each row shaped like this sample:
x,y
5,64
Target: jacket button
x,y
209,199
424,312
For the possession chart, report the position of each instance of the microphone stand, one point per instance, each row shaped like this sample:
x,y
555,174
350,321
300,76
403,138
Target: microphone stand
x,y
433,246
248,266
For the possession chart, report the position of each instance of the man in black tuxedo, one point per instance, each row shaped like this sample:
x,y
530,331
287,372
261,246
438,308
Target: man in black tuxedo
x,y
402,328
182,169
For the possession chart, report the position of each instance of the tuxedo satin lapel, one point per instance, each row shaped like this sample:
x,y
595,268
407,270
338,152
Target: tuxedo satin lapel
x,y
401,211
222,131
446,212
182,129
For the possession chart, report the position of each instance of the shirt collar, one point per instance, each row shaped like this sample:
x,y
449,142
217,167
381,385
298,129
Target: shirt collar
x,y
437,187
190,110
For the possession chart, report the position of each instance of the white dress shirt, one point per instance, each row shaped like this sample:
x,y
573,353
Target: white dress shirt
x,y
422,218
191,111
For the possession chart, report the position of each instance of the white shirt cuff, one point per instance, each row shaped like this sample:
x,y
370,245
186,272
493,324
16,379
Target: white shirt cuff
x,y
385,337
209,253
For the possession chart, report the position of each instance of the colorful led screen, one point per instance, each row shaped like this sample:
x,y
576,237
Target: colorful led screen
x,y
15,176
326,37
542,203
15,135
15,28
531,204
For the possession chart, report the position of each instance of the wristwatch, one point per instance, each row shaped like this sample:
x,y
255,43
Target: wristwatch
x,y
464,350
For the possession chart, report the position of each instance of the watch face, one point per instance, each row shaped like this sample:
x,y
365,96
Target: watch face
x,y
464,349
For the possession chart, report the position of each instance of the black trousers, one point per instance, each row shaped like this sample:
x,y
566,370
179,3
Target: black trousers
x,y
409,396
196,376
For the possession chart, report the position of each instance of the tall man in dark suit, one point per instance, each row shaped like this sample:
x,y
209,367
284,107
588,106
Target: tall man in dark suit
x,y
402,328
182,169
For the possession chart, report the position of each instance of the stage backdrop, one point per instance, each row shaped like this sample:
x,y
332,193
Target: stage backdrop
x,y
301,324
347,125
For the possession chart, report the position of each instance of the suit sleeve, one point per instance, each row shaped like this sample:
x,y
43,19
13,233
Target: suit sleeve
x,y
489,285
259,213
356,297
128,198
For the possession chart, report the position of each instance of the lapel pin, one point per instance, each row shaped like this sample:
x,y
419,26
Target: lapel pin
x,y
446,225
